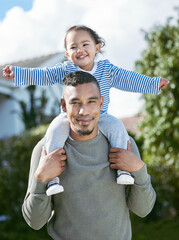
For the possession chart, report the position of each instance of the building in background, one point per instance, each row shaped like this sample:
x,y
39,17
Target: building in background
x,y
10,122
131,123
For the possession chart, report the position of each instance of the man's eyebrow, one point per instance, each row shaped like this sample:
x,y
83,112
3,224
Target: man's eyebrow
x,y
93,98
90,98
74,99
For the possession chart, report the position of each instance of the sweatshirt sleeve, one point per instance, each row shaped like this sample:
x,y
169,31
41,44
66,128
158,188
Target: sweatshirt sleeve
x,y
141,195
37,207
131,81
39,76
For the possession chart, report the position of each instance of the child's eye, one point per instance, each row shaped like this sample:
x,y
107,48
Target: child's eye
x,y
73,47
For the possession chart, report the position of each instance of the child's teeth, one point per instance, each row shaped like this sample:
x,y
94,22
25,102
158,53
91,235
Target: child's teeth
x,y
81,56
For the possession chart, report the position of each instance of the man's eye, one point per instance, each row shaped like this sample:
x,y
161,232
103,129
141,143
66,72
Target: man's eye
x,y
85,44
74,103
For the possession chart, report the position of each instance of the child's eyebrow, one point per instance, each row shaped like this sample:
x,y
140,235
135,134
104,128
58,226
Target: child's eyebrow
x,y
85,41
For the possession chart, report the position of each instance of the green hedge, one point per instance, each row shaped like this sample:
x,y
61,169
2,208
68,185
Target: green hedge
x,y
165,229
15,156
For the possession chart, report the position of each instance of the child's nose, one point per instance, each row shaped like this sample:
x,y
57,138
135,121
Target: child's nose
x,y
79,49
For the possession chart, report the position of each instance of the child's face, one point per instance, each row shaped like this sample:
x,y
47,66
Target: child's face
x,y
81,49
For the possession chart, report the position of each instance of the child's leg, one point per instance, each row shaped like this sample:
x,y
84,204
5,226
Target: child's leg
x,y
117,135
57,133
55,138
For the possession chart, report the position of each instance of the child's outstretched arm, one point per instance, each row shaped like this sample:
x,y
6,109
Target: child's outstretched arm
x,y
8,72
43,76
132,81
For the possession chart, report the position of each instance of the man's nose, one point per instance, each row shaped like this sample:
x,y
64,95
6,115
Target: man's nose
x,y
83,109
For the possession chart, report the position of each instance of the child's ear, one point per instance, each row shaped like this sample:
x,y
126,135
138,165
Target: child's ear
x,y
67,54
98,47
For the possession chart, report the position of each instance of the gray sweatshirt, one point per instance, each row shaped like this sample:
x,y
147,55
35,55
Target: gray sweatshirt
x,y
93,206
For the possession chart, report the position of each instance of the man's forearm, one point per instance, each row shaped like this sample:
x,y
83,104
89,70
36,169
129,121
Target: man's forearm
x,y
37,207
142,196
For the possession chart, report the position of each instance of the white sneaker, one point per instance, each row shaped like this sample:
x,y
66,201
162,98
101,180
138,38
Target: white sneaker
x,y
124,178
54,189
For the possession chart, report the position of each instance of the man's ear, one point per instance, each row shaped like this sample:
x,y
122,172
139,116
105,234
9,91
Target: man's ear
x,y
63,104
102,102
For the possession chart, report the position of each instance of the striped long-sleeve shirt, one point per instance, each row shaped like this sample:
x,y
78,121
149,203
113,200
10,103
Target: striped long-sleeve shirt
x,y
107,75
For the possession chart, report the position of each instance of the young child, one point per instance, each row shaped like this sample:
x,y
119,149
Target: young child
x,y
82,44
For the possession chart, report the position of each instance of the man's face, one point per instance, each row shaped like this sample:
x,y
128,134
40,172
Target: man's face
x,y
82,104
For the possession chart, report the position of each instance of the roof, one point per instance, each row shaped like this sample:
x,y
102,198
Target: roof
x,y
32,62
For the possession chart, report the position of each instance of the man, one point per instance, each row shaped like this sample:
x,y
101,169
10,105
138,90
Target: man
x,y
93,206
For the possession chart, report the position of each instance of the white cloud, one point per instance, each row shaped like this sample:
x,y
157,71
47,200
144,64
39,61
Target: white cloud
x,y
41,31
36,32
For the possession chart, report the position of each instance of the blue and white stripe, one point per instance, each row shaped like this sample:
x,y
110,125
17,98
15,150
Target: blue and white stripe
x,y
107,75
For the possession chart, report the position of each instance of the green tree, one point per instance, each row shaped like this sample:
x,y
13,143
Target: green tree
x,y
160,127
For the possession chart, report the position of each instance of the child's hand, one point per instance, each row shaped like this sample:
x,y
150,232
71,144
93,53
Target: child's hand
x,y
8,72
163,83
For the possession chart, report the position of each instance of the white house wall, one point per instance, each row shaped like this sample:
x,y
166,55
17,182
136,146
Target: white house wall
x,y
10,123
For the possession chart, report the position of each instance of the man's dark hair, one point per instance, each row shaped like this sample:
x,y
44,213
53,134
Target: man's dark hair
x,y
79,77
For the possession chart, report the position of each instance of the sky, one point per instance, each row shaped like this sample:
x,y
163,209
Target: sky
x,y
32,28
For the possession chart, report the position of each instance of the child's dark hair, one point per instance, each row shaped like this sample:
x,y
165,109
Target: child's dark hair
x,y
92,33
79,77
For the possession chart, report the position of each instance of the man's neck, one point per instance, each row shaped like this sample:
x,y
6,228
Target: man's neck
x,y
77,137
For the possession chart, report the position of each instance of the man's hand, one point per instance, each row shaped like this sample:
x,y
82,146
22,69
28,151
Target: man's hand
x,y
51,165
8,72
125,160
163,83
